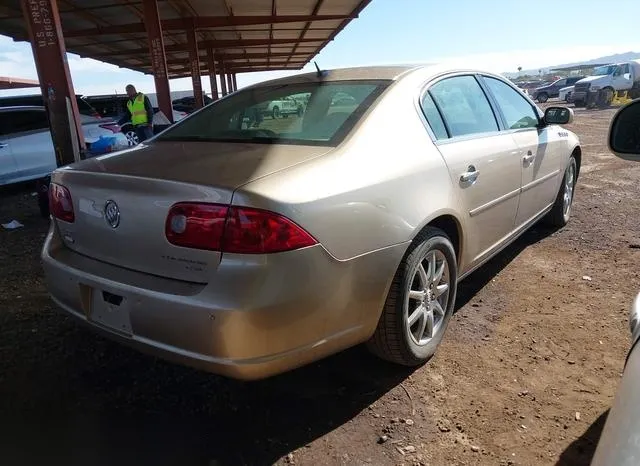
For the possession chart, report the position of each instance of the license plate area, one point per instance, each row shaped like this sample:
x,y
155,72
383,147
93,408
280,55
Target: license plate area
x,y
111,310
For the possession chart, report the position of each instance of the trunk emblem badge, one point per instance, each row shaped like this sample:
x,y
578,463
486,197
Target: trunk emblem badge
x,y
112,214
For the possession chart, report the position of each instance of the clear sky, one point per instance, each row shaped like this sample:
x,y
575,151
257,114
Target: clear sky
x,y
498,35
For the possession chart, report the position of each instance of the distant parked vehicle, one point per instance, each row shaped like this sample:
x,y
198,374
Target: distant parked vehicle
x,y
36,100
188,104
600,88
544,93
566,94
26,147
115,106
282,108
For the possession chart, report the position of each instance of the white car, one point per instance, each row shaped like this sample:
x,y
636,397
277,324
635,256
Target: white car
x,y
26,147
565,93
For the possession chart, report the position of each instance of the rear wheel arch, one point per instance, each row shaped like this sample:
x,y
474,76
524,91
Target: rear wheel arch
x,y
451,226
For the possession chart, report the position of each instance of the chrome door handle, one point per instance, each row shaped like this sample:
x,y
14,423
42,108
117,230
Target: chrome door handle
x,y
527,159
3,145
470,175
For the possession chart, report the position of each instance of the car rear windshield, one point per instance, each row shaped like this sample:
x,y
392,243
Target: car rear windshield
x,y
317,113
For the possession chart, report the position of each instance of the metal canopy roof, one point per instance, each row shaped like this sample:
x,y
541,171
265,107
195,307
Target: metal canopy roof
x,y
7,82
579,67
248,35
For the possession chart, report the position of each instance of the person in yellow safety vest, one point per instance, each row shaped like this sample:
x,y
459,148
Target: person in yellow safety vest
x,y
139,113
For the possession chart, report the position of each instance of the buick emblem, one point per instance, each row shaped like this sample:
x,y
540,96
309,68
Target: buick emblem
x,y
112,214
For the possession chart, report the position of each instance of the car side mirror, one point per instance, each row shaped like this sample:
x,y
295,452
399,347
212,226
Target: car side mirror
x,y
624,132
558,116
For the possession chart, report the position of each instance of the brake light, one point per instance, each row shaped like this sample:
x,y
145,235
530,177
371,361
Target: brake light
x,y
241,230
254,231
198,226
60,203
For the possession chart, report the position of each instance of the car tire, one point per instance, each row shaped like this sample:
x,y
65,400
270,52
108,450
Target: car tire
x,y
543,97
560,213
606,99
275,113
415,291
579,103
131,135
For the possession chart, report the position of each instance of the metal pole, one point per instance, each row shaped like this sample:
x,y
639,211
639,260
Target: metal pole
x,y
229,82
158,57
235,82
223,81
49,52
212,74
194,59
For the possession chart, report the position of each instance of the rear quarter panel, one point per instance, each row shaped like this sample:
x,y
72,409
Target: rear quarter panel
x,y
377,189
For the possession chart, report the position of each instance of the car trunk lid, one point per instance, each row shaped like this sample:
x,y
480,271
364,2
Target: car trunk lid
x,y
142,184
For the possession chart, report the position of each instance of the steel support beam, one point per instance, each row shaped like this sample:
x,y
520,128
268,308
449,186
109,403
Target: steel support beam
x,y
299,56
210,44
229,82
175,74
223,80
194,61
158,57
203,22
47,43
211,61
235,81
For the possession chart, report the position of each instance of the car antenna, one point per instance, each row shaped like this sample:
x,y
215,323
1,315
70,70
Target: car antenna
x,y
320,73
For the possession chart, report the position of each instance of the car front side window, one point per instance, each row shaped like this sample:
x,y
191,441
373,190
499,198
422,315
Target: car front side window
x,y
517,111
464,106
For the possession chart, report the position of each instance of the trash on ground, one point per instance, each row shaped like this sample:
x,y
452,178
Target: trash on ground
x,y
12,225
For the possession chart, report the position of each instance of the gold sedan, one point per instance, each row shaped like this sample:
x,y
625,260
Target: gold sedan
x,y
247,243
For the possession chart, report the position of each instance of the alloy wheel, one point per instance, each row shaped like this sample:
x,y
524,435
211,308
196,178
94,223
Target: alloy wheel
x,y
428,297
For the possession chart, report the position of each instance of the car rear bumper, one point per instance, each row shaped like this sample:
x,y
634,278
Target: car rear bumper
x,y
258,316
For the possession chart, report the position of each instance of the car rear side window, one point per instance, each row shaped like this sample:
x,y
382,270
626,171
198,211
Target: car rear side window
x,y
28,120
464,106
517,111
432,114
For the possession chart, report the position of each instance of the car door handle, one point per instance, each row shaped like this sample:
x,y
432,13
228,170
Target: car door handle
x,y
527,159
3,145
470,175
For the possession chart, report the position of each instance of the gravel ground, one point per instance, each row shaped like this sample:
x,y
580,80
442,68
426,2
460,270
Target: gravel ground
x,y
525,376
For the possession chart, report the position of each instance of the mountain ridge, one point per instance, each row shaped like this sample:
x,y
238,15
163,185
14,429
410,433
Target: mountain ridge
x,y
615,58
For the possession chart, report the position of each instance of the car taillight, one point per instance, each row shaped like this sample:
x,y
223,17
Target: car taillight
x,y
60,203
114,128
198,226
241,230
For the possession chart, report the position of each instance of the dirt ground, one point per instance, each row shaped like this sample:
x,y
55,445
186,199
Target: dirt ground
x,y
525,376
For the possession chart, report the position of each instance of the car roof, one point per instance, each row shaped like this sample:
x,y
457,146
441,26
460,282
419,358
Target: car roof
x,y
27,96
374,73
341,74
15,108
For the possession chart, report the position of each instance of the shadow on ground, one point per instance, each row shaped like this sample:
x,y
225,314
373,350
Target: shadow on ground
x,y
581,451
470,286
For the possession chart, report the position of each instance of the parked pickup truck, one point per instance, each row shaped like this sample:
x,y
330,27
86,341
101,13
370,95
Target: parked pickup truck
x,y
601,86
